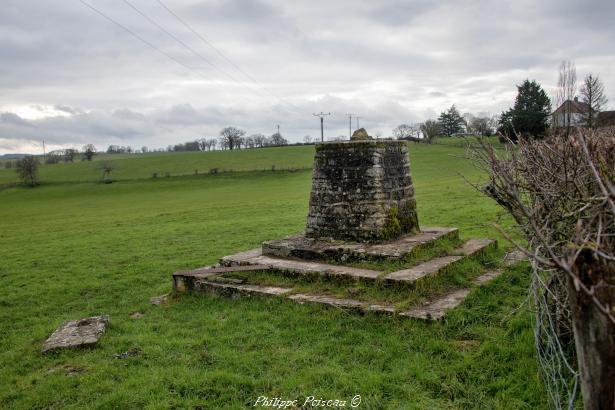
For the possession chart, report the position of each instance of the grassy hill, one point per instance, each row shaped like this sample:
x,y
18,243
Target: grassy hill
x,y
75,248
141,166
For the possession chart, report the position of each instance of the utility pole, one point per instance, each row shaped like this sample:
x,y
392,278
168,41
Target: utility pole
x,y
278,129
322,132
349,125
44,153
357,118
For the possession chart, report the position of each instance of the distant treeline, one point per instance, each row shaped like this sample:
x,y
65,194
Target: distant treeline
x,y
230,138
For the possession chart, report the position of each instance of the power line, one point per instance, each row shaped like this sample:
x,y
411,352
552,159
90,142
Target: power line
x,y
178,40
322,116
149,44
207,42
349,125
189,27
129,31
159,50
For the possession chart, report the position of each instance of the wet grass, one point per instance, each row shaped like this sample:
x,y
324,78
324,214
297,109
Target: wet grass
x,y
70,250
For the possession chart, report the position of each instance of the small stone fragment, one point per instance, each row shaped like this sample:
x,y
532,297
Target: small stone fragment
x,y
135,351
158,300
68,370
514,257
354,291
77,333
136,315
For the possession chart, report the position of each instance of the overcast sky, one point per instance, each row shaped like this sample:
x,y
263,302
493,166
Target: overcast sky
x,y
71,77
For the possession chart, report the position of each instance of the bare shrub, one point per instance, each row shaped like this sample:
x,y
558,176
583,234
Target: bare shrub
x,y
27,169
561,192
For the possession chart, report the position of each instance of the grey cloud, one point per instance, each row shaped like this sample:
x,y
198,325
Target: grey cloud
x,y
12,119
396,13
390,61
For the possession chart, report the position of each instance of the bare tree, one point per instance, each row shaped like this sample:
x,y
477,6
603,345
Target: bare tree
x,y
566,91
27,169
249,142
232,137
403,131
70,154
561,192
431,129
89,151
259,140
307,139
53,157
277,139
592,94
480,126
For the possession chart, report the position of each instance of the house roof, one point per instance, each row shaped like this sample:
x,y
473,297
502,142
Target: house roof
x,y
605,118
572,106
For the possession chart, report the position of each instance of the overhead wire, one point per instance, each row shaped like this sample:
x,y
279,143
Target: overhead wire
x,y
221,54
158,49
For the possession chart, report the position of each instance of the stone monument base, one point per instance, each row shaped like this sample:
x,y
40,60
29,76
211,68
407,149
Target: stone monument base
x,y
303,247
301,260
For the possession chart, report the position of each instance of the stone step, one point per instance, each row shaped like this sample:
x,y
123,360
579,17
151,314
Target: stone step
x,y
316,268
434,309
435,266
240,258
475,247
301,247
352,304
429,268
235,291
408,276
437,308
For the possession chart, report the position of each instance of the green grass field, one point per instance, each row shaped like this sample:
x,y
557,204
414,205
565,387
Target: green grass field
x,y
74,247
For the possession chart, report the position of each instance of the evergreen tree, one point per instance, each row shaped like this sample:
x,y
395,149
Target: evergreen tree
x,y
451,121
505,125
530,114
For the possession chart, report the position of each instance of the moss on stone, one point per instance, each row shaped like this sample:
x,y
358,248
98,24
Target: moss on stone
x,y
407,217
392,226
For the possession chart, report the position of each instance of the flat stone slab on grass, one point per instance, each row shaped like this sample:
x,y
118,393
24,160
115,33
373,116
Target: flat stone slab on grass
x,y
302,247
77,333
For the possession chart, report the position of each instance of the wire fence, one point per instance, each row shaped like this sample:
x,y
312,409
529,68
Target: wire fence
x,y
553,338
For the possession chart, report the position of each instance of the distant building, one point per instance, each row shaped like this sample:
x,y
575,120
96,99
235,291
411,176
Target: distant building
x,y
574,113
571,112
605,119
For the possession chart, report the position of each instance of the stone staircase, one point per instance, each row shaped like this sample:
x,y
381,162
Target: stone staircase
x,y
298,256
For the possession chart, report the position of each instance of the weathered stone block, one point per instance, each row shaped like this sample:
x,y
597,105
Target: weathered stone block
x,y
77,333
362,191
